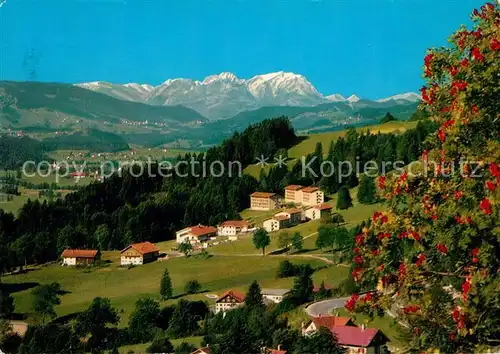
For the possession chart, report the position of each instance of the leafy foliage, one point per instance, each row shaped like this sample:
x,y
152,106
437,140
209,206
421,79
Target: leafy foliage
x,y
261,240
46,297
192,286
435,251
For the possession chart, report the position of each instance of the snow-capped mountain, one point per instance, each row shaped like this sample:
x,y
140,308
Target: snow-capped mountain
x,y
225,95
336,97
284,89
353,99
408,97
127,92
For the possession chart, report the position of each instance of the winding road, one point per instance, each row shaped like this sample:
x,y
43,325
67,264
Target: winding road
x,y
322,308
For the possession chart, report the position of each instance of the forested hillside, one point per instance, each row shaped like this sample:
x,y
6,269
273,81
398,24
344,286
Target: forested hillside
x,y
120,210
15,151
124,209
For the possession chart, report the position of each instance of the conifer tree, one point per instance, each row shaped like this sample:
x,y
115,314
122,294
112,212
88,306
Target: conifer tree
x,y
166,289
366,190
344,200
254,296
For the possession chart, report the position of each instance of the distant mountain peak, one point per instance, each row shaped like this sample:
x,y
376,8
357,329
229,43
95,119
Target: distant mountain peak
x,y
353,98
225,76
224,95
409,96
336,97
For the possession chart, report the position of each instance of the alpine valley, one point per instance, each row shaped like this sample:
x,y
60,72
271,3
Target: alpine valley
x,y
185,111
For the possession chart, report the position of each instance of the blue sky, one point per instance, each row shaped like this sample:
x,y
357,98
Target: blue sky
x,y
371,48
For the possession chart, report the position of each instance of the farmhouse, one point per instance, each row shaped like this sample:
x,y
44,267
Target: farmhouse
x,y
360,339
205,350
284,219
274,295
318,211
232,227
329,322
264,201
139,253
195,234
229,301
303,195
79,257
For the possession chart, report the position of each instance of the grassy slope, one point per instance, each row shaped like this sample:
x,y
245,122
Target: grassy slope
x,y
124,286
308,145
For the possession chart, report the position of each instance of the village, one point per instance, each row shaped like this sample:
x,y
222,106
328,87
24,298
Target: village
x,y
298,205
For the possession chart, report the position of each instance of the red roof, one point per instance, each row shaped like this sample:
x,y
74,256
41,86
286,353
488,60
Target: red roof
x,y
280,217
293,211
330,321
354,336
276,351
77,174
310,189
262,195
238,296
79,253
202,350
143,248
294,187
324,206
327,287
235,223
201,230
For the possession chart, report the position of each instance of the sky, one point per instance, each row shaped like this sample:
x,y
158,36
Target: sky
x,y
372,48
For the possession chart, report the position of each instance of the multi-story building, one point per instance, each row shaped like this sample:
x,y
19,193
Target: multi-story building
x,y
264,201
312,196
293,194
303,195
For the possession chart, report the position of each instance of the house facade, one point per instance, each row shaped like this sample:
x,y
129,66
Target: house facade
x,y
293,194
312,196
264,201
307,196
318,211
232,227
195,234
74,257
274,295
230,300
284,219
139,253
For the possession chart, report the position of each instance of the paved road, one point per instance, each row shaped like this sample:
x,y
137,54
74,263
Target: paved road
x,y
322,308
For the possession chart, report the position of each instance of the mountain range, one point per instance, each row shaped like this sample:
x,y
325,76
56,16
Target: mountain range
x,y
225,95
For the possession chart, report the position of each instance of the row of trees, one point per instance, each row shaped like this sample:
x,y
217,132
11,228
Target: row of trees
x,y
356,149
